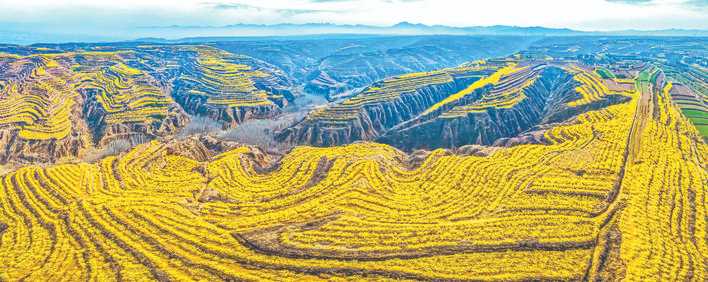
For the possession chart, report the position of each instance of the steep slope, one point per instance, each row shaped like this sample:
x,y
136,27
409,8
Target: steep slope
x,y
524,100
230,88
611,196
39,120
62,104
382,106
332,66
503,99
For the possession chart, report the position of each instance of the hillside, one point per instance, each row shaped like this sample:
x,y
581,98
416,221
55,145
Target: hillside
x,y
76,100
434,158
347,64
610,196
478,103
508,100
61,104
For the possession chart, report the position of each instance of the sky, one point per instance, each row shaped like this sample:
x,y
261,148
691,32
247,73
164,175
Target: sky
x,y
95,16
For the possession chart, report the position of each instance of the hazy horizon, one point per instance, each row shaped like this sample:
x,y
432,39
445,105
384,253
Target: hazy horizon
x,y
83,20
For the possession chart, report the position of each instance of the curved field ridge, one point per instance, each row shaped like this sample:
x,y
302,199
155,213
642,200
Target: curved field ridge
x,y
690,93
617,193
64,105
225,87
38,100
126,94
394,101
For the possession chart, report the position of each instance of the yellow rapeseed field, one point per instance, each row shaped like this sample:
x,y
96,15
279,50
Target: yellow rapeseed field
x,y
616,193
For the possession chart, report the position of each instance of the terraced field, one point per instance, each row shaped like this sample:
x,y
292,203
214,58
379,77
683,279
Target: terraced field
x,y
41,109
388,103
217,85
507,91
62,103
690,92
124,99
485,102
121,101
615,192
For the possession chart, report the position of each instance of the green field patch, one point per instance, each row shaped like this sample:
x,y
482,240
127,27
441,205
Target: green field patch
x,y
605,73
703,129
691,105
699,118
694,113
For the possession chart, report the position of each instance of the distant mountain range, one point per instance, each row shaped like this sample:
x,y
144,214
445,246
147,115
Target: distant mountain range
x,y
404,28
174,32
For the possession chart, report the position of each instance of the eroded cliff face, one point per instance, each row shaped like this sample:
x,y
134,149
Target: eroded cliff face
x,y
16,148
546,101
550,90
104,132
374,119
514,110
69,104
230,88
368,120
230,116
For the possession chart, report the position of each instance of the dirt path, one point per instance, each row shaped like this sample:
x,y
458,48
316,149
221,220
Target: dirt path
x,y
608,239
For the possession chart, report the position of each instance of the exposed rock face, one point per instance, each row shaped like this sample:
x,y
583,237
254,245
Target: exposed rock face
x,y
375,118
550,90
510,112
75,102
231,116
104,133
370,120
230,88
15,149
344,65
546,101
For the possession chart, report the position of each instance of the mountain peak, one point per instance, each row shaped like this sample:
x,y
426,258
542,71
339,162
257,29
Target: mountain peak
x,y
405,24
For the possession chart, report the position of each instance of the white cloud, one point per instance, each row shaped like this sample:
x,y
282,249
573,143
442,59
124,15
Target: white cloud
x,y
584,15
